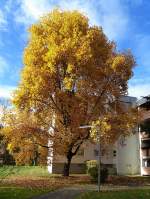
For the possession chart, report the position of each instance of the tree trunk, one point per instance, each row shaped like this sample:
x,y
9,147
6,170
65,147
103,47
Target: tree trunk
x,y
67,166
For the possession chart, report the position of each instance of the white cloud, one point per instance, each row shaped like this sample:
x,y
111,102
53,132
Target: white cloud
x,y
114,18
8,5
88,7
139,86
31,10
139,90
110,14
6,91
3,21
3,66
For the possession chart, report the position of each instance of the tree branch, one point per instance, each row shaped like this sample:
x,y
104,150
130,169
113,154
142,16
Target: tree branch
x,y
98,99
75,152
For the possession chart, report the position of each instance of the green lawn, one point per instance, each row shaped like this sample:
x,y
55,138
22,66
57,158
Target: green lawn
x,y
30,171
20,182
18,193
15,181
132,194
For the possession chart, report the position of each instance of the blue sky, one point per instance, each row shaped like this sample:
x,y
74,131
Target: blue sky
x,y
125,21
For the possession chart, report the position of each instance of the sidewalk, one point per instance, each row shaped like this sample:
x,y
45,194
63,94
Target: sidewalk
x,y
72,192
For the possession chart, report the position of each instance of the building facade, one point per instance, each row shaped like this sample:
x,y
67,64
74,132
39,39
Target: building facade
x,y
128,148
128,156
144,134
2,148
122,158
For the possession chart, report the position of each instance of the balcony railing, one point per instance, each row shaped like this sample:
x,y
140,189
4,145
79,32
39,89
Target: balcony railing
x,y
145,144
145,157
145,136
146,115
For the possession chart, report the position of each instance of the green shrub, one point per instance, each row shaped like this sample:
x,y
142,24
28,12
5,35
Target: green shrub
x,y
90,164
93,171
104,175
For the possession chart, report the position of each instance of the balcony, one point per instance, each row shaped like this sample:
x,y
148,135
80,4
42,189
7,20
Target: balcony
x,y
146,115
144,102
145,137
145,128
146,165
145,143
145,171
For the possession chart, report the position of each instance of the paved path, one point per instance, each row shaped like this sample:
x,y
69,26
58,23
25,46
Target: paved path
x,y
65,193
72,192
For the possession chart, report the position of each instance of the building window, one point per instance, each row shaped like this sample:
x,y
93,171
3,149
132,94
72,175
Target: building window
x,y
96,153
114,153
146,162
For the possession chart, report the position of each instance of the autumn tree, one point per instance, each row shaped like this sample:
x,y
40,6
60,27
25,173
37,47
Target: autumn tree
x,y
72,76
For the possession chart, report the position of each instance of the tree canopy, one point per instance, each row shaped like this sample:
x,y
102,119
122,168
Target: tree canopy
x,y
72,75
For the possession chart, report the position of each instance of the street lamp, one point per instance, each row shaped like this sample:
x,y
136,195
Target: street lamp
x,y
99,156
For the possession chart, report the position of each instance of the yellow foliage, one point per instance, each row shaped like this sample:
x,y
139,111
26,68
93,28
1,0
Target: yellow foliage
x,y
118,61
9,147
71,71
100,127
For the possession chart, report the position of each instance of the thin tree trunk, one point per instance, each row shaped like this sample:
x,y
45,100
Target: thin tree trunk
x,y
66,170
69,156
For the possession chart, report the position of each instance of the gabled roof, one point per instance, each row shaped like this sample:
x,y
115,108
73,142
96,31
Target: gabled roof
x,y
144,102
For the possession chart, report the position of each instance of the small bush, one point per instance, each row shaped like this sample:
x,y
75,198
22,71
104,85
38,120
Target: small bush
x,y
91,164
104,175
93,171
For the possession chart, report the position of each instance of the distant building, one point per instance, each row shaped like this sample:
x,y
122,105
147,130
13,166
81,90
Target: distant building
x,y
5,157
2,153
128,156
2,147
144,134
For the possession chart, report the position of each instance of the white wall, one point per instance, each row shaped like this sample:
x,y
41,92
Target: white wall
x,y
128,155
89,154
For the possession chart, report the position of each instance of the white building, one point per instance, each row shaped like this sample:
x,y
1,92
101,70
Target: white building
x,y
124,157
128,156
